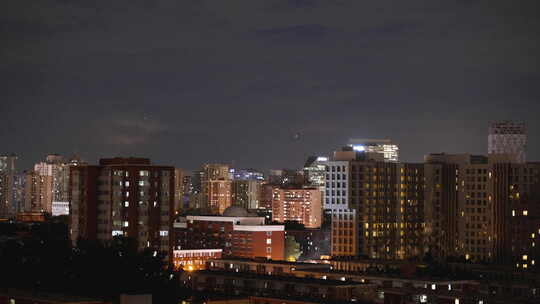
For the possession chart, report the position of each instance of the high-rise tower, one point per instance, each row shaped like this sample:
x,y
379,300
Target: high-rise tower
x,y
7,179
216,187
507,137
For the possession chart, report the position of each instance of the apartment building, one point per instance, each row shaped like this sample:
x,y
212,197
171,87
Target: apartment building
x,y
123,197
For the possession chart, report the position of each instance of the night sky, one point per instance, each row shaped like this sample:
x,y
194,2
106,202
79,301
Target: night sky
x,y
262,84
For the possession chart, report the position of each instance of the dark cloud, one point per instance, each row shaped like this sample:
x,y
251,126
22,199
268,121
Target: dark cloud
x,y
186,82
295,33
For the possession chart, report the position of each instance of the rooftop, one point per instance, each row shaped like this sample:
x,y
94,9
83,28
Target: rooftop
x,y
275,262
124,161
289,279
48,297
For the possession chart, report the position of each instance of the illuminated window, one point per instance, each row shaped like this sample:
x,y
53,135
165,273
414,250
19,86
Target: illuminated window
x,y
126,223
127,184
126,204
524,257
513,212
268,241
525,212
433,286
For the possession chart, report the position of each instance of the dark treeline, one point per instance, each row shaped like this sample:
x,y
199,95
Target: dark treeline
x,y
41,264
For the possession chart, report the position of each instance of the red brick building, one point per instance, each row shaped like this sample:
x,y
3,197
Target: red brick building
x,y
194,259
236,232
123,196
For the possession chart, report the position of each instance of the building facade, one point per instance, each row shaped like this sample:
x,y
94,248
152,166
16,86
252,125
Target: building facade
x,y
302,205
286,177
385,147
55,170
246,174
216,187
38,192
376,206
194,259
508,137
123,197
236,233
482,208
314,171
246,193
8,201
178,190
344,219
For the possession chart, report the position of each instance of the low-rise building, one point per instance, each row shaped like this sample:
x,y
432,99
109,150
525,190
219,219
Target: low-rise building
x,y
237,233
194,259
242,283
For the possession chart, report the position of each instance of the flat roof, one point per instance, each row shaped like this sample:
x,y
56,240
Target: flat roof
x,y
383,277
23,294
292,279
275,262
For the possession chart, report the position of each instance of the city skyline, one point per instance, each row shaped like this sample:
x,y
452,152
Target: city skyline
x,y
208,82
24,164
270,152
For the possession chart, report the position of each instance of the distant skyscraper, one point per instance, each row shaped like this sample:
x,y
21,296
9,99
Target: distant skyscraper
x,y
246,174
38,192
286,177
196,181
178,189
8,206
246,187
56,168
216,187
385,147
246,193
508,137
314,171
302,205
